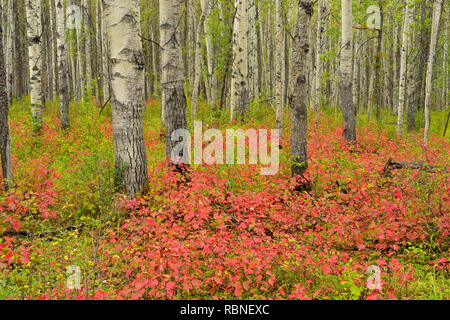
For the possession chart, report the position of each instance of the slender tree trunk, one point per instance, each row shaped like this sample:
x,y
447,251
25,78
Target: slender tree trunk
x,y
212,83
253,65
172,75
345,81
239,80
279,50
431,57
378,56
62,66
9,50
5,140
298,99
198,57
318,71
122,24
33,10
403,70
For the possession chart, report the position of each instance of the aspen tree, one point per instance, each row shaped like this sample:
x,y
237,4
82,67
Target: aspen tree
x,y
172,74
62,66
5,140
345,81
298,99
239,79
198,57
435,26
33,11
403,71
279,60
122,26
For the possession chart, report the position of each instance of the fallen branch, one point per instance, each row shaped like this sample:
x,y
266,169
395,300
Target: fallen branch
x,y
410,165
42,235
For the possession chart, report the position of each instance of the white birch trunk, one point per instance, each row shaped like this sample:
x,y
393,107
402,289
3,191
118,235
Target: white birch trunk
x,y
62,66
33,11
198,58
239,78
122,24
403,55
345,81
9,50
279,53
172,74
431,57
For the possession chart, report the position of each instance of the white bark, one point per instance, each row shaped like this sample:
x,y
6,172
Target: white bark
x,y
239,78
431,57
122,24
198,57
279,60
253,66
62,65
172,74
318,64
9,50
402,82
33,11
211,78
345,81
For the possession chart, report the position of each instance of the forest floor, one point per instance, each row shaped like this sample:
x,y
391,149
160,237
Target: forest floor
x,y
224,232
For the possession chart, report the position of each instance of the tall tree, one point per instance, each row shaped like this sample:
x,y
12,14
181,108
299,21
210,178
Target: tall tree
x,y
239,78
122,24
172,74
9,49
62,66
33,10
345,81
5,140
299,97
408,16
279,60
198,56
435,26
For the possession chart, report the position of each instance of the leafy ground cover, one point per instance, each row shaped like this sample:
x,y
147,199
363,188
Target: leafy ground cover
x,y
223,232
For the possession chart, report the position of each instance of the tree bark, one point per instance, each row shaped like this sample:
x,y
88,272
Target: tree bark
x,y
345,81
33,10
198,58
5,140
403,70
172,73
122,24
62,66
298,99
239,78
435,25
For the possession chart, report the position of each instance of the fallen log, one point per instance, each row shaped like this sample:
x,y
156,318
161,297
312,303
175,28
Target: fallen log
x,y
411,165
26,234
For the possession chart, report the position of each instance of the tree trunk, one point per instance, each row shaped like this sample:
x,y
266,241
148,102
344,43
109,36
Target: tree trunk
x,y
298,99
279,50
172,75
318,64
345,81
198,57
403,70
253,65
122,24
33,10
429,77
9,50
62,66
239,80
5,140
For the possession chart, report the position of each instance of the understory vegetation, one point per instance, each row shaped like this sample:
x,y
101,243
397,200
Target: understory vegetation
x,y
225,231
